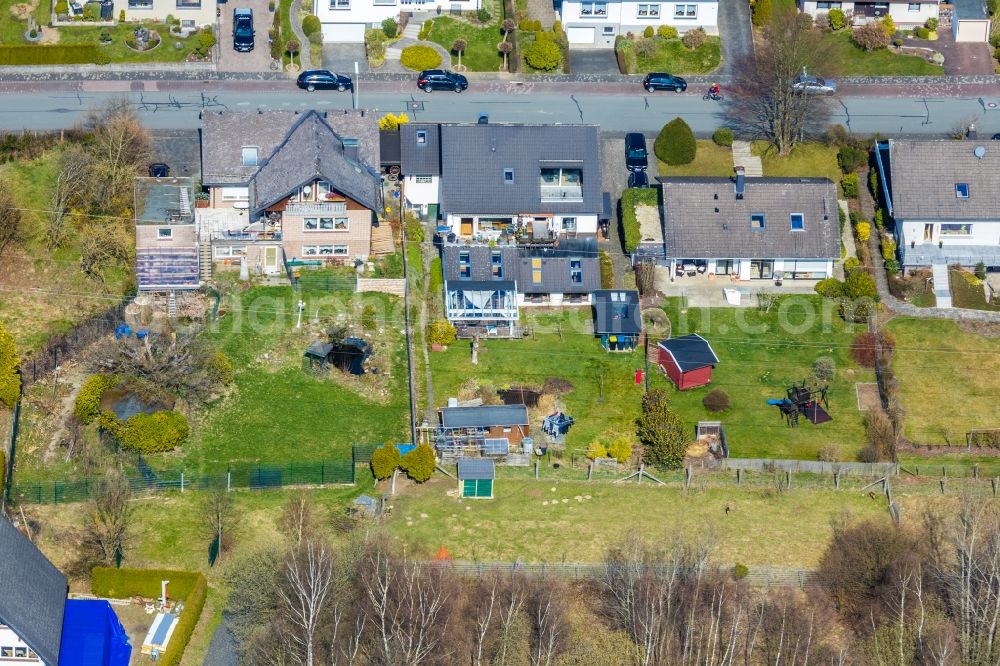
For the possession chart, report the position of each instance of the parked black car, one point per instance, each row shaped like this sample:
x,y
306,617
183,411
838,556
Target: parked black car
x,y
243,29
158,170
638,179
323,79
441,79
636,157
664,81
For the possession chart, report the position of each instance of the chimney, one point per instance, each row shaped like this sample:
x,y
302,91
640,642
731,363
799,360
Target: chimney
x,y
351,149
741,184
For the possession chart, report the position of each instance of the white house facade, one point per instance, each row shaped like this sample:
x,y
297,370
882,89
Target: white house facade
x,y
191,13
346,20
903,13
596,23
14,651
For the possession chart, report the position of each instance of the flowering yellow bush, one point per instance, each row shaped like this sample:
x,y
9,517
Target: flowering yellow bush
x,y
864,231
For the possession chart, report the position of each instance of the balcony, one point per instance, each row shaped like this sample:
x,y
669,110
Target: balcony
x,y
562,193
319,208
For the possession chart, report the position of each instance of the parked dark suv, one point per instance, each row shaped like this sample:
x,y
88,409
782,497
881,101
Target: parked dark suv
x,y
243,29
663,81
441,79
323,79
635,152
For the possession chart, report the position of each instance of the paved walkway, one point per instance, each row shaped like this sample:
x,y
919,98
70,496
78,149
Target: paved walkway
x,y
736,33
743,157
305,54
847,238
942,287
542,10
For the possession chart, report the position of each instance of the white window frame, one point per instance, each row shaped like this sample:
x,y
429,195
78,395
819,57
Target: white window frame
x,y
160,235
230,194
244,154
609,30
802,222
325,250
648,10
423,179
594,9
958,194
685,11
140,4
341,250
508,176
957,230
569,224
763,221
229,251
421,136
340,5
913,7
828,5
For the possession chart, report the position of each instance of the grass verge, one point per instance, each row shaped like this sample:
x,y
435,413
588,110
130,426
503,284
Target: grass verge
x,y
710,160
481,54
849,60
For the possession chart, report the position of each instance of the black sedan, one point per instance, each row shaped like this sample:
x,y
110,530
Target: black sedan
x,y
441,79
664,81
323,79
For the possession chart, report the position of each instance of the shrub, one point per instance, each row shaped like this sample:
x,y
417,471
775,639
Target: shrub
x,y
441,332
888,248
620,448
632,197
644,48
607,271
419,57
980,271
385,460
88,400
867,347
850,158
419,464
879,219
596,450
849,184
92,11
740,571
836,18
557,29
375,41
932,24
830,288
220,368
10,380
860,284
206,39
121,16
105,36
695,38
292,47
829,453
542,55
49,54
888,26
311,24
850,264
666,32
716,400
870,37
824,369
723,136
761,13
390,27
675,143
922,33
648,32
483,15
527,25
62,7
864,231
892,265
158,432
392,121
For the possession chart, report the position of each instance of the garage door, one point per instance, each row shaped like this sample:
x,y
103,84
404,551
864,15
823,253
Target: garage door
x,y
972,31
581,35
344,32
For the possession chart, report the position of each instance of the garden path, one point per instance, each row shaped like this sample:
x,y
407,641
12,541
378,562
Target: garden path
x,y
744,157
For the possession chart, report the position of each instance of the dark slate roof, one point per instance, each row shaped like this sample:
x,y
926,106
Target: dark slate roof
x,y
476,469
484,417
556,267
974,10
319,349
690,352
694,230
32,594
473,159
388,146
617,312
314,150
420,159
924,173
480,260
225,133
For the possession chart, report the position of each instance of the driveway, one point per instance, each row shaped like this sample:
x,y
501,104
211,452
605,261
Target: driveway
x,y
614,178
736,34
960,59
258,60
340,58
592,61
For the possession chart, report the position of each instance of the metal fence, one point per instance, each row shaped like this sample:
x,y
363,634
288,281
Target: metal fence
x,y
145,480
811,466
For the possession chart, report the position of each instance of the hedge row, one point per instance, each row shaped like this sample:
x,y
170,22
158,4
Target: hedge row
x,y
88,399
190,587
631,198
49,54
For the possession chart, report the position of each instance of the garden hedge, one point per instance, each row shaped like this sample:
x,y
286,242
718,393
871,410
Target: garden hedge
x,y
88,401
10,380
631,198
49,54
311,25
188,586
158,432
419,58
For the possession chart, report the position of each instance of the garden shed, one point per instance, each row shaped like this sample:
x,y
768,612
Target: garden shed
x,y
475,478
687,360
617,321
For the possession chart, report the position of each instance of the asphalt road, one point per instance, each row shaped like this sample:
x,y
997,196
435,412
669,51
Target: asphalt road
x,y
169,105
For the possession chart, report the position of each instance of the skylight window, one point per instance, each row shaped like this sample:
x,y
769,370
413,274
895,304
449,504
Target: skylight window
x,y
421,136
962,190
248,156
798,222
757,221
508,175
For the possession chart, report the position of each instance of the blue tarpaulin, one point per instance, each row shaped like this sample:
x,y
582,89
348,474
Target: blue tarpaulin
x,y
92,635
405,448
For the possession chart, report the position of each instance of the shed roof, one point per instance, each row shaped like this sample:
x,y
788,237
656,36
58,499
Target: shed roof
x,y
616,311
924,174
703,218
476,469
32,594
319,349
690,352
484,417
163,202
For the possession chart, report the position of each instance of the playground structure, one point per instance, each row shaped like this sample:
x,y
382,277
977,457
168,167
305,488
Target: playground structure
x,y
805,401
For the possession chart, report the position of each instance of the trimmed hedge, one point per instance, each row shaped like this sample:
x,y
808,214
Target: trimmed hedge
x,y
311,25
10,380
419,58
158,432
88,400
543,54
675,143
188,586
49,54
631,198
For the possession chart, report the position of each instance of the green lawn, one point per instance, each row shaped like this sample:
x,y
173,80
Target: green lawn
x,y
670,55
710,160
848,60
808,160
119,52
481,54
947,379
967,295
12,30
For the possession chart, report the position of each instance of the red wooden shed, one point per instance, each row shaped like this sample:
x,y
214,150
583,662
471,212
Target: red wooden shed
x,y
687,360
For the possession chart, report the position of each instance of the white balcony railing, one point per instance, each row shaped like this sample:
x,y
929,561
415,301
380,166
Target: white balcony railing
x,y
562,192
324,208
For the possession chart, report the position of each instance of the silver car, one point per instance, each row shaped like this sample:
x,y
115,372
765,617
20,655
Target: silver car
x,y
814,85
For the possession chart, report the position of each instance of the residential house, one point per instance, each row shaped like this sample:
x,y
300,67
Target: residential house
x,y
506,182
945,199
485,430
39,625
166,241
751,228
191,13
617,319
904,13
596,23
345,21
566,272
285,185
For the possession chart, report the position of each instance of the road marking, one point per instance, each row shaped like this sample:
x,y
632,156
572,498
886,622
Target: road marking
x,y
242,103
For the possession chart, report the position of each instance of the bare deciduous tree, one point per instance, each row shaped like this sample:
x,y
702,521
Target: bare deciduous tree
x,y
73,164
12,230
306,580
121,145
178,366
110,519
219,513
298,520
547,608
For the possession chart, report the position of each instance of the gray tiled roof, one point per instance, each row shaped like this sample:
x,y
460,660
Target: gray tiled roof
x,y
484,417
313,150
608,315
224,134
480,260
32,594
924,173
704,219
420,159
476,469
473,159
556,267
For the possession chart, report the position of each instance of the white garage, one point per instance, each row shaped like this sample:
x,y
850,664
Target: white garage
x,y
344,32
581,35
972,31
